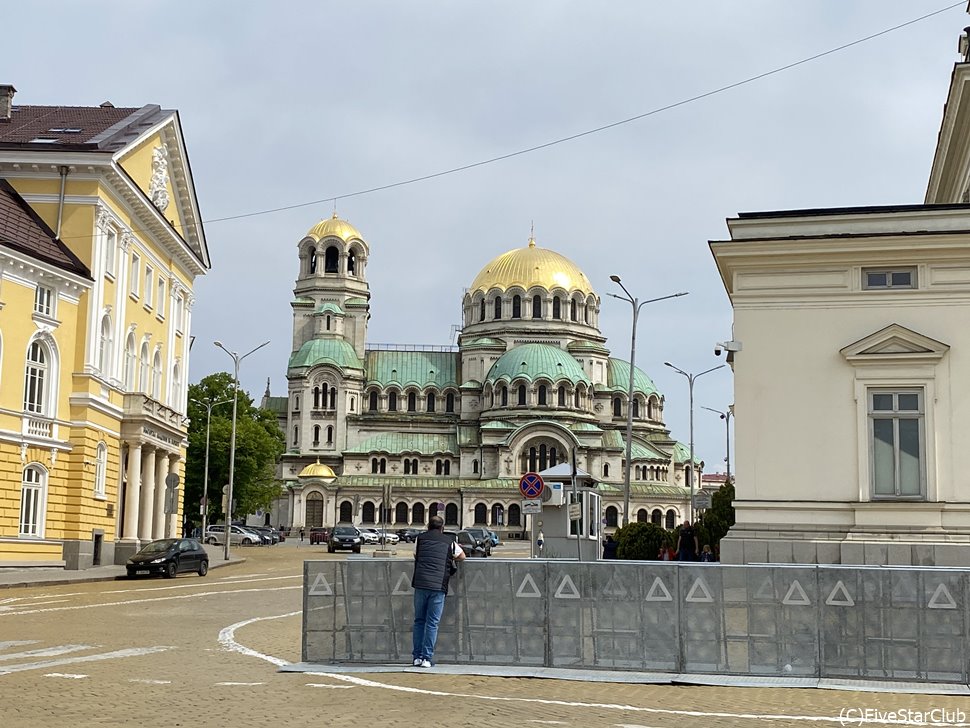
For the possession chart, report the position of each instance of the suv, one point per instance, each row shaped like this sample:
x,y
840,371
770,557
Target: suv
x,y
319,534
469,544
482,537
344,537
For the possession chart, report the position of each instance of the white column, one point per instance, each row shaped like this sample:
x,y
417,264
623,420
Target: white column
x,y
147,494
161,472
132,492
174,524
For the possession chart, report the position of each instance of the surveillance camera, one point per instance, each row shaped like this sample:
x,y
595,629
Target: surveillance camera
x,y
717,351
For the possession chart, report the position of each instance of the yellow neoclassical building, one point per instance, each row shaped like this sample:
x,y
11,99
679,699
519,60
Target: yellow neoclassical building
x,y
100,243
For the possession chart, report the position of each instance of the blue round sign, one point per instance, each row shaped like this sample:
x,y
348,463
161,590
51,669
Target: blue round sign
x,y
530,485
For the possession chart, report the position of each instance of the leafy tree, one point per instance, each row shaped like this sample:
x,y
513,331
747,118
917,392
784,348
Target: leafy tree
x,y
259,444
715,522
641,541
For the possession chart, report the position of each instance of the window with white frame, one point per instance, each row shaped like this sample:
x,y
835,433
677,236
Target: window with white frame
x,y
179,313
157,376
144,384
149,283
177,387
131,363
160,298
104,346
135,276
44,301
882,278
100,470
110,246
896,443
35,379
33,489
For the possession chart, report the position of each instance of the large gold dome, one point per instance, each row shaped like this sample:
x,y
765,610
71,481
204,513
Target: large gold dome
x,y
334,227
531,266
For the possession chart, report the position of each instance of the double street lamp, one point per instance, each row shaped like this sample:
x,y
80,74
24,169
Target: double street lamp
x,y
637,304
726,416
205,479
690,385
236,359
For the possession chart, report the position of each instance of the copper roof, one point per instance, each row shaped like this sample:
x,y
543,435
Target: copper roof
x,y
22,229
79,128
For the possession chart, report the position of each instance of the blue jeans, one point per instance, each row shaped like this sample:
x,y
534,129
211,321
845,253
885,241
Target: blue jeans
x,y
428,605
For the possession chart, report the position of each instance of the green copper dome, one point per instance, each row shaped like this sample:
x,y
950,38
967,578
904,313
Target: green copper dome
x,y
535,361
326,351
618,378
328,307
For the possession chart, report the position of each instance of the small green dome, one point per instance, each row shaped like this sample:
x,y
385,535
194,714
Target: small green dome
x,y
328,307
534,361
326,351
618,378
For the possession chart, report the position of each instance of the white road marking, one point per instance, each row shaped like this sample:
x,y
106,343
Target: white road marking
x,y
45,652
151,682
227,638
557,722
131,652
334,687
239,684
194,584
12,607
17,643
241,576
65,674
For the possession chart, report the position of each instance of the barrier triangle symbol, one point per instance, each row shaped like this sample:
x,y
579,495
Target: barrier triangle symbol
x,y
320,587
699,586
403,585
942,599
531,583
766,590
658,592
614,588
477,583
844,601
561,592
796,595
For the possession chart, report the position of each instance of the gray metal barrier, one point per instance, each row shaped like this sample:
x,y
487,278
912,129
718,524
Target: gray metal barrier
x,y
790,621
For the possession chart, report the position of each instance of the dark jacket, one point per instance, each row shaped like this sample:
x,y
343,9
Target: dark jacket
x,y
432,561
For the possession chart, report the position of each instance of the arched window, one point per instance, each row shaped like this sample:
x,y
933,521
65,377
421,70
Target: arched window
x,y
316,435
383,466
314,509
671,520
157,376
480,513
515,515
177,386
516,306
505,396
451,515
556,308
100,470
401,512
367,512
438,467
353,404
447,467
533,465
475,467
576,399
586,313
412,402
328,322
330,435
130,363
316,398
450,402
296,435
617,407
35,379
33,501
498,307
430,402
611,516
104,346
521,394
417,513
636,408
374,465
392,402
537,307
498,514
642,515
572,311
143,375
330,260
346,512
333,398
372,402
606,470
351,263
637,471
407,466
312,262
542,394
432,510
481,312
657,516
561,396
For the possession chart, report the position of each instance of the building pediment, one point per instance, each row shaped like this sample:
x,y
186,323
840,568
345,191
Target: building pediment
x,y
895,342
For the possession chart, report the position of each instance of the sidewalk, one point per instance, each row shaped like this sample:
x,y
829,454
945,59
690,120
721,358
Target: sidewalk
x,y
13,578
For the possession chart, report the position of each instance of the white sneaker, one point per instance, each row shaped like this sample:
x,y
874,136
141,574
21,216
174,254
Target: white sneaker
x,y
417,662
425,663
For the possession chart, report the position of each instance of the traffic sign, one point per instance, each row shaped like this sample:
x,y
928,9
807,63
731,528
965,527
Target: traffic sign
x,y
532,507
172,480
702,501
575,511
530,485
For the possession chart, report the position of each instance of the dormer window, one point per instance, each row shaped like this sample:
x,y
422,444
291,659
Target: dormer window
x,y
882,278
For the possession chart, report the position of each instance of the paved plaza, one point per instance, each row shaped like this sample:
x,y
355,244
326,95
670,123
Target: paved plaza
x,y
193,651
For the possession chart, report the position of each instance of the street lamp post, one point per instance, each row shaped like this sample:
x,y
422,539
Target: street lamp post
x,y
690,386
236,359
637,304
205,479
726,416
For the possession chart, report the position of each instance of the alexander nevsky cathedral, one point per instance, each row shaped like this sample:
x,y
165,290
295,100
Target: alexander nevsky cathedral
x,y
451,429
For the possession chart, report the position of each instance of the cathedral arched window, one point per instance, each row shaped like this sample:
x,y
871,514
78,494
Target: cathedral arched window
x,y
475,467
316,435
333,398
372,402
505,396
537,307
328,322
412,402
515,515
330,435
636,409
561,401
617,407
351,263
450,402
296,435
516,307
431,401
401,512
586,313
367,512
312,262
451,515
481,312
611,516
417,513
383,466
572,311
407,466
556,308
542,394
316,398
392,402
671,520
498,514
330,260
606,470
521,394
481,511
657,516
576,399
439,467
498,307
374,465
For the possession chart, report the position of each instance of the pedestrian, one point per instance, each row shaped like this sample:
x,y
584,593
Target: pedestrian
x,y
609,547
301,534
687,546
707,555
665,554
539,541
435,555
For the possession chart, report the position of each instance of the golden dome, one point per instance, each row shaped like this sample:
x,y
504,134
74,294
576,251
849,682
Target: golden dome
x,y
334,227
531,266
317,470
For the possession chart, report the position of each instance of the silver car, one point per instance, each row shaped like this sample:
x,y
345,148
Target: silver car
x,y
237,536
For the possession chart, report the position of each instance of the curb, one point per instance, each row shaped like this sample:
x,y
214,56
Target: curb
x,y
60,581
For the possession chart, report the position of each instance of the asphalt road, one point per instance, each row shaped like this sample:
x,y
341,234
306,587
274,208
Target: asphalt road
x,y
205,651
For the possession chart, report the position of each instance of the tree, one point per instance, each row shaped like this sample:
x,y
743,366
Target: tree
x,y
259,444
641,541
717,520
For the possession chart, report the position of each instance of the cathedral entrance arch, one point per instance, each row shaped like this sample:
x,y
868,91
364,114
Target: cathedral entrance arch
x,y
314,510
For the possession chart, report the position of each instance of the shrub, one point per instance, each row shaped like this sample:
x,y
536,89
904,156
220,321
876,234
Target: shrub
x,y
641,541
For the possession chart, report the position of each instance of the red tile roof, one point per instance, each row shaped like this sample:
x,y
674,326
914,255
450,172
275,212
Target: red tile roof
x,y
79,128
22,229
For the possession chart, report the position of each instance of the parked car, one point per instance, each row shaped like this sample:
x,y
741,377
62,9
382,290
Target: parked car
x,y
169,557
262,539
482,538
238,536
494,538
369,535
268,531
408,534
388,537
469,544
345,538
319,535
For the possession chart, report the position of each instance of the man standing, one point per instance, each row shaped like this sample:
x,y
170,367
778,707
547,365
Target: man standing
x,y
687,547
434,558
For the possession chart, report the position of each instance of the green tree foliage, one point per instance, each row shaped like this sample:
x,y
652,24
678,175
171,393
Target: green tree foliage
x,y
259,444
641,541
715,522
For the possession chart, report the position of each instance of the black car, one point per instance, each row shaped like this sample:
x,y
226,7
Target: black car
x,y
169,556
267,532
469,544
407,535
482,538
344,537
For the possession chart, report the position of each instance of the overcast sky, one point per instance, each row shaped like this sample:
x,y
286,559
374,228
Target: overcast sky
x,y
290,102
